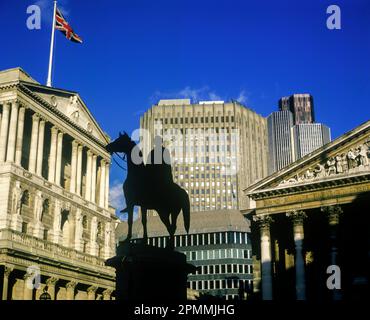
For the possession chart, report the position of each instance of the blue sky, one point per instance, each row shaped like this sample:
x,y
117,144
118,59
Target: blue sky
x,y
136,52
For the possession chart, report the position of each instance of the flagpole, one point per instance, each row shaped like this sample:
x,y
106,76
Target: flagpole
x,y
48,82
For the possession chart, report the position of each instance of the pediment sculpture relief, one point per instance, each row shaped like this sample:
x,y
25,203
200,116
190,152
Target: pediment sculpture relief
x,y
354,160
73,108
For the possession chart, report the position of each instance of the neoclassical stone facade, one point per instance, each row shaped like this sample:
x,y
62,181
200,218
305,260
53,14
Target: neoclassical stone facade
x,y
54,186
312,217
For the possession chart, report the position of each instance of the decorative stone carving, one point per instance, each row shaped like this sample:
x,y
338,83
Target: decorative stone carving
x,y
54,101
89,127
355,159
17,198
38,208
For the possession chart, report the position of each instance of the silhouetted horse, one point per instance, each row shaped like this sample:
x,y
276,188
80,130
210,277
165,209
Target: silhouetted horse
x,y
140,190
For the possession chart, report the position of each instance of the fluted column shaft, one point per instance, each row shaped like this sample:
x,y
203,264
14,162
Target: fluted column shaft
x,y
4,131
264,225
79,170
53,154
297,218
34,141
19,144
73,167
12,132
333,214
58,168
40,149
102,184
93,179
88,176
91,293
107,186
7,272
71,286
51,283
27,289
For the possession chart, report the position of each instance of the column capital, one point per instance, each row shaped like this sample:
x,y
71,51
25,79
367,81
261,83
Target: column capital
x,y
52,281
297,216
89,153
54,129
334,212
92,289
35,117
71,285
263,221
8,270
7,103
107,292
75,143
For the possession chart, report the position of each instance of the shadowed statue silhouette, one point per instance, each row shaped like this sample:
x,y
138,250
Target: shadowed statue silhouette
x,y
151,186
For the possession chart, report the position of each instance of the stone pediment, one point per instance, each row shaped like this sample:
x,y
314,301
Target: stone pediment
x,y
345,157
71,105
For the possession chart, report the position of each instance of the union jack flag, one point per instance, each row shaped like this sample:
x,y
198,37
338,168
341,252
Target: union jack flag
x,y
62,25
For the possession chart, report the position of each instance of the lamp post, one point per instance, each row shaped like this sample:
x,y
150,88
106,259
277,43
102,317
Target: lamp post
x,y
45,295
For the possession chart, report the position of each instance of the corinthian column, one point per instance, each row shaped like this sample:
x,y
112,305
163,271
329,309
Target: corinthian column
x,y
72,187
71,286
7,272
107,186
102,184
297,218
58,167
53,154
34,140
79,170
264,225
40,149
19,145
333,214
93,179
4,131
88,176
12,132
91,293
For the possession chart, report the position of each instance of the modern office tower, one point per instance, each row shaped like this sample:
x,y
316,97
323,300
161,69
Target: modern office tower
x,y
217,148
279,125
301,105
218,244
309,137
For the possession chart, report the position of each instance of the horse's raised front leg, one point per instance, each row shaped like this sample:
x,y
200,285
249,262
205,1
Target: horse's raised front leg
x,y
143,221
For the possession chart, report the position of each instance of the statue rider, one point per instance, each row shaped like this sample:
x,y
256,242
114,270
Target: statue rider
x,y
159,164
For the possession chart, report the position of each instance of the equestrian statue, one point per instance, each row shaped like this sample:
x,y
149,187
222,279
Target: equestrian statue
x,y
151,186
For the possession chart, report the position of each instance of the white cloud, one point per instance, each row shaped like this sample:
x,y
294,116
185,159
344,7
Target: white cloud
x,y
116,198
243,97
195,94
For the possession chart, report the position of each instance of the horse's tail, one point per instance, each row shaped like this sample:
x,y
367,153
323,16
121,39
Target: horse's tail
x,y
186,210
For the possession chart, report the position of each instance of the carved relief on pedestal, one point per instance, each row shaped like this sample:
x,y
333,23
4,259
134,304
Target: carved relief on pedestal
x,y
354,160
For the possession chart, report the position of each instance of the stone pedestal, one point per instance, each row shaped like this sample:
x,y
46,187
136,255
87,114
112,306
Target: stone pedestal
x,y
151,274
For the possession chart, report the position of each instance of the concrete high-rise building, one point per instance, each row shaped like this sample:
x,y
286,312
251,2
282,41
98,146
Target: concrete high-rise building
x,y
309,137
280,142
301,106
56,226
217,149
